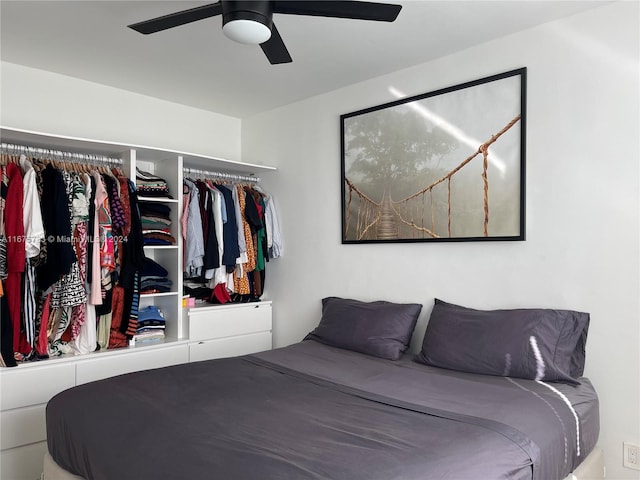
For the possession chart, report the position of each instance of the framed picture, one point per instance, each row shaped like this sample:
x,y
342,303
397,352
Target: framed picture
x,y
447,165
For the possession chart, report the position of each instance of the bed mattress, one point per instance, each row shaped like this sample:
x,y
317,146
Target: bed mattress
x,y
591,468
311,411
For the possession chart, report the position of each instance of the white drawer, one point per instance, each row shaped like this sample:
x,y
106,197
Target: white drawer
x,y
22,463
130,361
221,322
32,385
230,346
22,426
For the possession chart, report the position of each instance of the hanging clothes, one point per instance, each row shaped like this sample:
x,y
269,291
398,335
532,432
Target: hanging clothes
x,y
116,210
184,218
69,290
272,224
107,246
55,278
34,236
194,246
131,305
57,225
218,214
211,251
84,328
16,257
133,262
230,231
6,324
32,213
80,243
255,212
116,338
79,220
255,215
235,216
6,333
133,248
238,203
4,184
41,346
241,280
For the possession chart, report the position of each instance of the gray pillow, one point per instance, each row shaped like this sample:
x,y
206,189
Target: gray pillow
x,y
522,343
382,329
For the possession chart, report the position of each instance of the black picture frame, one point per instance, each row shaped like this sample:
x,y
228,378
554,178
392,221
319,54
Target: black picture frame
x,y
447,165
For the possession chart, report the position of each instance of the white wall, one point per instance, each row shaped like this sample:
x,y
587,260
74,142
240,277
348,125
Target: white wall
x,y
47,102
583,211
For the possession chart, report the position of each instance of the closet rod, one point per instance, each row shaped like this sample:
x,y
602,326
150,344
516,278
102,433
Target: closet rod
x,y
221,175
47,153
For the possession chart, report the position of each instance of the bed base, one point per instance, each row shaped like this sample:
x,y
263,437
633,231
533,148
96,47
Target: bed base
x,y
592,468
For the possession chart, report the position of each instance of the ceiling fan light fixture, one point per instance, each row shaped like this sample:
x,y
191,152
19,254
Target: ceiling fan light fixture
x,y
250,32
251,21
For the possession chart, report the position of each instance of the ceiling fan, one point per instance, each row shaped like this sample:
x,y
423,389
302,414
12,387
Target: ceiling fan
x,y
251,21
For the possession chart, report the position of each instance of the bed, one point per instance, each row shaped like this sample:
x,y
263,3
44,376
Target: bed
x,y
317,410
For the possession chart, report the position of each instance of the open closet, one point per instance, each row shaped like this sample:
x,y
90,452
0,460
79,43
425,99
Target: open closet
x,y
230,263
73,253
128,250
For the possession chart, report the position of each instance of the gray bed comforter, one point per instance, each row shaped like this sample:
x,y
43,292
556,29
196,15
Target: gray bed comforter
x,y
310,411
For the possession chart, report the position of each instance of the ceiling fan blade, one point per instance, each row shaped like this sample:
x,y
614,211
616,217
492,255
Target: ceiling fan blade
x,y
382,12
275,49
176,19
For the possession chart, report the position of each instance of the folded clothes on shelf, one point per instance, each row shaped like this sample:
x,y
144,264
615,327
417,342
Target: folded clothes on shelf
x,y
154,209
151,325
156,223
151,185
149,223
155,284
149,336
151,268
155,237
150,316
159,210
154,278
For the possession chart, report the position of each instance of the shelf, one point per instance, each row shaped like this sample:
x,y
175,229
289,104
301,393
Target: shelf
x,y
157,199
71,357
225,306
116,149
150,343
155,295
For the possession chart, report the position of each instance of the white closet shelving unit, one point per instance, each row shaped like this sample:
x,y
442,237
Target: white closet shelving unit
x,y
169,167
194,334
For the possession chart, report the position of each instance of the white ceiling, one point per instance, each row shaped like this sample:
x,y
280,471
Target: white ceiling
x,y
197,65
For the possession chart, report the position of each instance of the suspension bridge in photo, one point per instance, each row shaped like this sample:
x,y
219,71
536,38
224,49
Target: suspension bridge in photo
x,y
382,219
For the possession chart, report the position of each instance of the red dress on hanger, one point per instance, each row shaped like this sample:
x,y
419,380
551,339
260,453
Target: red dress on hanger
x,y
14,231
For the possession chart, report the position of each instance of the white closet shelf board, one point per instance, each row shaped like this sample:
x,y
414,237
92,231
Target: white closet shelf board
x,y
159,294
117,150
104,353
157,199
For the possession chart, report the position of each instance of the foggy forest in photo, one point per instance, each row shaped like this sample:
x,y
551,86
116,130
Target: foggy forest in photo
x,y
391,155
